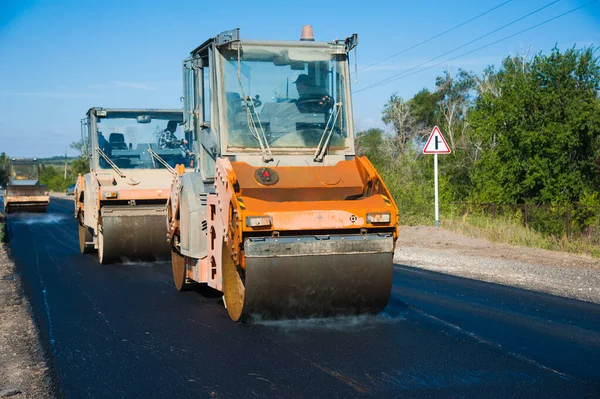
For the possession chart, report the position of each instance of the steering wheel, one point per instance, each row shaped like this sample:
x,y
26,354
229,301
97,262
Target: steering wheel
x,y
314,104
249,100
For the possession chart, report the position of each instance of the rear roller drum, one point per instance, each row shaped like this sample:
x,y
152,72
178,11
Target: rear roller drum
x,y
86,238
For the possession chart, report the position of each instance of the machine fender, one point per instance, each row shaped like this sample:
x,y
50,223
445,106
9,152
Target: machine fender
x,y
90,202
173,204
79,196
376,185
229,209
192,210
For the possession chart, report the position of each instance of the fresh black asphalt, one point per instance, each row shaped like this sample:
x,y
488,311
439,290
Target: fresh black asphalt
x,y
123,331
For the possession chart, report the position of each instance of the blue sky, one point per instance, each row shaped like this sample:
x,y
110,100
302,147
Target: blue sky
x,y
58,58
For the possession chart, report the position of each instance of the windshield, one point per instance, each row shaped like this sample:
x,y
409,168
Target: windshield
x,y
291,94
24,172
127,141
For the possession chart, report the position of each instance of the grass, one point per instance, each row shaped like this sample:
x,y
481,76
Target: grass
x,y
510,231
2,226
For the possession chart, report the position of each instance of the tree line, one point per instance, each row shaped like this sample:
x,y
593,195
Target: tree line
x,y
527,132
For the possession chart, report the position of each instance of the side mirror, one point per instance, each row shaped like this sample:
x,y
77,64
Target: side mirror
x,y
351,41
144,119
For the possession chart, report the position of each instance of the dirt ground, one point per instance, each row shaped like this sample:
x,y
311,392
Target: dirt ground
x,y
557,273
23,370
438,238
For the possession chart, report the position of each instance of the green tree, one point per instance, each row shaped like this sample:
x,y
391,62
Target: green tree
x,y
397,113
369,143
3,169
80,165
425,109
455,98
539,130
54,179
81,146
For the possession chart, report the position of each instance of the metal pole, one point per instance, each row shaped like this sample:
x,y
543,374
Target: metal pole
x,y
65,163
435,178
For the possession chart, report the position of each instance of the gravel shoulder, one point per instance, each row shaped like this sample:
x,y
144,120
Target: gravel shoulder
x,y
23,370
552,272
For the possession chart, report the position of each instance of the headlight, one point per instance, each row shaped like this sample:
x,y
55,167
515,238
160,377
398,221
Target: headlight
x,y
258,221
378,218
110,194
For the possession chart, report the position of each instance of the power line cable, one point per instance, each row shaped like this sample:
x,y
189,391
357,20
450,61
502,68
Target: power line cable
x,y
393,77
479,48
436,36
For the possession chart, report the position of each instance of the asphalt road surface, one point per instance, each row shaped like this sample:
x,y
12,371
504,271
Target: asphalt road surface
x,y
122,331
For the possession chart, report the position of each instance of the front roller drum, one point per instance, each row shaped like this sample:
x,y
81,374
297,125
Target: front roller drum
x,y
133,234
24,207
303,277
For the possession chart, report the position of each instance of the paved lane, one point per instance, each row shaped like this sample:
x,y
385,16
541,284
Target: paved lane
x,y
115,331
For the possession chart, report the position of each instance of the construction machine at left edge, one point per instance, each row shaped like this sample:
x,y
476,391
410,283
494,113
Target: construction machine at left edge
x,y
23,190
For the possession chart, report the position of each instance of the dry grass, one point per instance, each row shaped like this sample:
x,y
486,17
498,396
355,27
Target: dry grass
x,y
505,230
2,226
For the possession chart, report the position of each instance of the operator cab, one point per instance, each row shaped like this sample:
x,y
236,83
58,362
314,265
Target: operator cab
x,y
269,102
135,139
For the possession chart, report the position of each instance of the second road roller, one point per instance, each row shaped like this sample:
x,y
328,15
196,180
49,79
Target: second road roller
x,y
280,214
121,203
23,189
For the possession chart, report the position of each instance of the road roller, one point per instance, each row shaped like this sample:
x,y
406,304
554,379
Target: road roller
x,y
279,214
23,190
121,203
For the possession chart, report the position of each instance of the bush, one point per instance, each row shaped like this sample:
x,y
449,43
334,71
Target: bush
x,y
54,179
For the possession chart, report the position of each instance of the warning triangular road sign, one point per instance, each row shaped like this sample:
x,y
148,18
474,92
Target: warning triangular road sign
x,y
436,144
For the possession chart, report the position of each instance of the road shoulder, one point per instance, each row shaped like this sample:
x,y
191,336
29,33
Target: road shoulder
x,y
552,272
23,369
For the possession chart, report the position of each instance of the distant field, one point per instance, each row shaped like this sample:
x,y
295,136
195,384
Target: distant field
x,y
56,161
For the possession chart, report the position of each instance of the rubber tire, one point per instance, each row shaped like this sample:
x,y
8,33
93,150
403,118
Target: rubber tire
x,y
179,271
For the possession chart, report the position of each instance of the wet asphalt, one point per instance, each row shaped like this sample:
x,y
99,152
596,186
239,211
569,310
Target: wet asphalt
x,y
123,331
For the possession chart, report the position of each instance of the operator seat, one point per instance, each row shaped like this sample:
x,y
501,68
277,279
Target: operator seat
x,y
117,141
234,103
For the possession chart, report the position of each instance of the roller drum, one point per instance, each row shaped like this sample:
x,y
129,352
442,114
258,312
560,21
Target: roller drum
x,y
26,198
300,277
133,233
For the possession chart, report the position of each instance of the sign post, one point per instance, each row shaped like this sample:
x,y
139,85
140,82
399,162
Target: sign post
x,y
436,144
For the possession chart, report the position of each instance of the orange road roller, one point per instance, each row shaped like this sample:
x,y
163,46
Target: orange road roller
x,y
279,213
121,203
